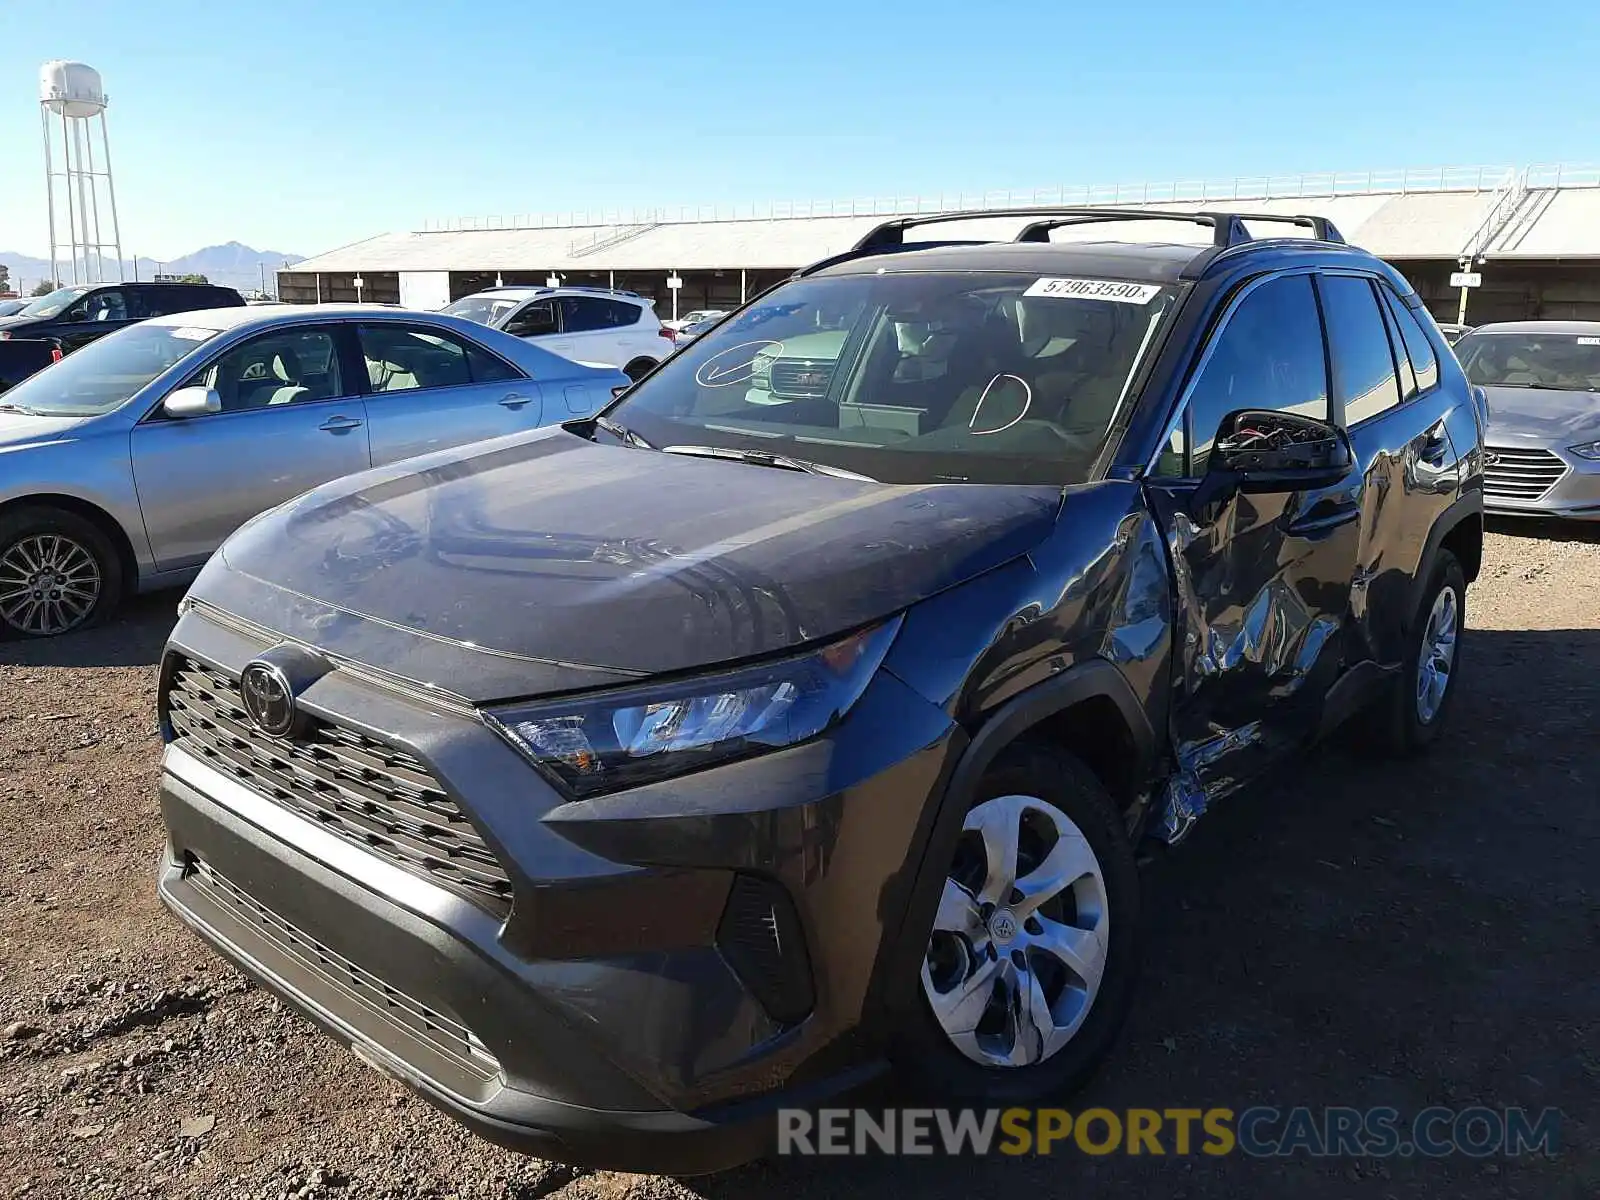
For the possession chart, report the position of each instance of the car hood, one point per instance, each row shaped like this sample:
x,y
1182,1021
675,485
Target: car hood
x,y
543,562
18,430
1540,415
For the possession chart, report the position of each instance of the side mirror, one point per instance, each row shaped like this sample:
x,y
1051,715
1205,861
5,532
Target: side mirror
x,y
1263,451
192,402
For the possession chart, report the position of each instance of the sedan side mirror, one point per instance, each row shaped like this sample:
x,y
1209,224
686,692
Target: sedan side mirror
x,y
1264,451
192,402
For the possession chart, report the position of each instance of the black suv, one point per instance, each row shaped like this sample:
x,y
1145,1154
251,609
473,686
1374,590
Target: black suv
x,y
616,784
76,316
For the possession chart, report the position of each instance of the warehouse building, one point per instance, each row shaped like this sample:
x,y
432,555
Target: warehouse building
x,y
1531,234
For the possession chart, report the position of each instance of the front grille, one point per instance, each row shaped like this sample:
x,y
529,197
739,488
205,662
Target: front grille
x,y
438,1031
801,379
353,786
1527,475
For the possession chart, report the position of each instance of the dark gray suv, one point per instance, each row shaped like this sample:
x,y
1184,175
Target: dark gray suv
x,y
618,784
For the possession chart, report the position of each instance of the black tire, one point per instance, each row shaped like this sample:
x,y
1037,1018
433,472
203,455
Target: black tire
x,y
639,368
22,524
925,1058
1399,725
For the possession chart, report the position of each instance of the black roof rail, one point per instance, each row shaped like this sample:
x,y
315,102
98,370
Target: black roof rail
x,y
1227,227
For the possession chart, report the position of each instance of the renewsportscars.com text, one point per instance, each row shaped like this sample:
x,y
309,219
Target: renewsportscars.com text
x,y
1259,1132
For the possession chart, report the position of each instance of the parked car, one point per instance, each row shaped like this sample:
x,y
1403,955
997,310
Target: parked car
x,y
76,316
593,325
128,463
687,331
20,359
658,771
693,317
1543,384
11,306
1454,333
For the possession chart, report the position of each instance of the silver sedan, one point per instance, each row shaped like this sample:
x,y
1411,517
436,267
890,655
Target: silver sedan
x,y
1542,450
126,464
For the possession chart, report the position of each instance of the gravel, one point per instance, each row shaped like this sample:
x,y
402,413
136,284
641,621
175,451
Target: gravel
x,y
1353,933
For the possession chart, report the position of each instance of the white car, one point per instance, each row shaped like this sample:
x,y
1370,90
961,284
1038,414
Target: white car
x,y
691,318
702,321
587,325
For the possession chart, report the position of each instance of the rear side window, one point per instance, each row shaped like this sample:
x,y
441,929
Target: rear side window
x,y
1418,346
400,359
1402,360
1358,345
1269,356
581,314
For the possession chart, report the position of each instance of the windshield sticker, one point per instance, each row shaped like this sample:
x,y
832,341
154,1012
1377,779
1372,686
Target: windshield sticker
x,y
1094,289
193,333
1589,341
736,364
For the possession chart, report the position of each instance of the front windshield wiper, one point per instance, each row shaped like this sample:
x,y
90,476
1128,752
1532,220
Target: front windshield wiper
x,y
1546,387
765,458
17,408
622,432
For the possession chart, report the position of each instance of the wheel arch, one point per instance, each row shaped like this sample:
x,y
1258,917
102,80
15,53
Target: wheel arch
x,y
1459,529
1089,702
643,364
91,512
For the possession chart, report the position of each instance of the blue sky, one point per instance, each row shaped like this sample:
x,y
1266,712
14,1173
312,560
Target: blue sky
x,y
299,126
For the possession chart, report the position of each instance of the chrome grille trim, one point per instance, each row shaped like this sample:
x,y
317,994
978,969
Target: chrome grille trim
x,y
367,793
799,378
1526,475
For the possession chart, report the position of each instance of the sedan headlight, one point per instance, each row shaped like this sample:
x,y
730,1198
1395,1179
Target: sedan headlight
x,y
622,739
1587,450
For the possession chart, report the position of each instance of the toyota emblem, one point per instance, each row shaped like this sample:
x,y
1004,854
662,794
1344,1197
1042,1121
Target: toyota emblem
x,y
264,689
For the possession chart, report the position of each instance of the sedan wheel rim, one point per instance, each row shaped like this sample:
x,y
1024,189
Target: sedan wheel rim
x,y
1019,944
48,584
1437,659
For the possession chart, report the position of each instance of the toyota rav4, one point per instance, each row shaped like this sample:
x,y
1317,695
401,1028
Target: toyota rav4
x,y
797,718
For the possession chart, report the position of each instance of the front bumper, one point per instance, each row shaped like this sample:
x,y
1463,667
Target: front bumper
x,y
602,1021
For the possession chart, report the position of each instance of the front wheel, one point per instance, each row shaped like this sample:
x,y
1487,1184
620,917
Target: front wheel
x,y
1033,950
58,572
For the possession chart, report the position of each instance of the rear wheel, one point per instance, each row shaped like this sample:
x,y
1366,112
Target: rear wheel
x,y
1410,718
58,572
639,368
1033,949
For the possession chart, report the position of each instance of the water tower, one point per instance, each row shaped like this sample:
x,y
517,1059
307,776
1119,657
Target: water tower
x,y
79,191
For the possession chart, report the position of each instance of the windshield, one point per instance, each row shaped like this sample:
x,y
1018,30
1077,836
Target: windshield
x,y
485,310
991,377
54,303
9,308
105,373
1562,361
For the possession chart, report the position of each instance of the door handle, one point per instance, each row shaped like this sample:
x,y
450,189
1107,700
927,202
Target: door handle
x,y
514,400
1435,447
340,424
1325,516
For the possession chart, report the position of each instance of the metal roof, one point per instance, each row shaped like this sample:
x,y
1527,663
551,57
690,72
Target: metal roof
x,y
1537,212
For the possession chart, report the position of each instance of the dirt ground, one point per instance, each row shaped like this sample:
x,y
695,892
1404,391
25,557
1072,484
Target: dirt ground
x,y
1355,934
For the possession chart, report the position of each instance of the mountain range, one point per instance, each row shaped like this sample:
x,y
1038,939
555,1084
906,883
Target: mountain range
x,y
231,264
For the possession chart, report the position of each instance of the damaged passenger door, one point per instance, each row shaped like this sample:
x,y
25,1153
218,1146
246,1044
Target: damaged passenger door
x,y
1259,497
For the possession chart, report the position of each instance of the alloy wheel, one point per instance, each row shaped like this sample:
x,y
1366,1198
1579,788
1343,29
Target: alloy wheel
x,y
49,584
1437,658
1019,944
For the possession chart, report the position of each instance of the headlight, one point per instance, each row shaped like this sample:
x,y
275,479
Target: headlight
x,y
623,739
1587,450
